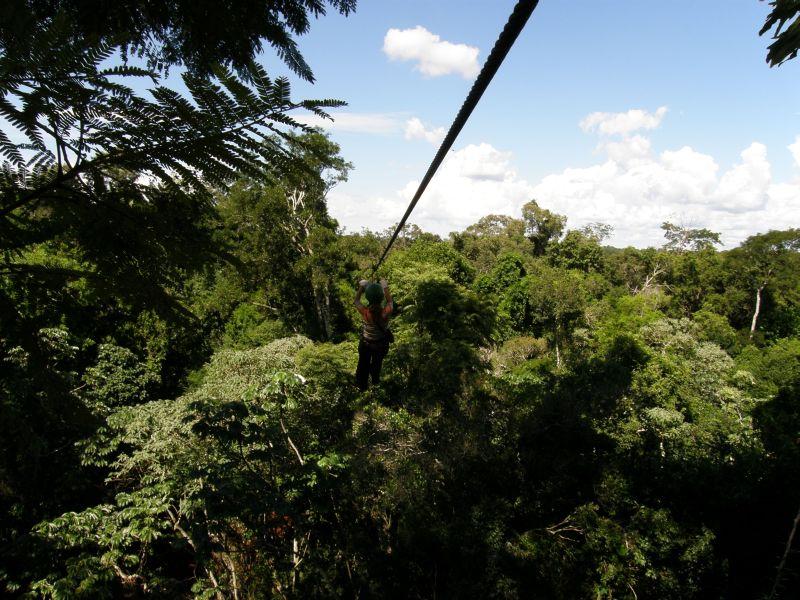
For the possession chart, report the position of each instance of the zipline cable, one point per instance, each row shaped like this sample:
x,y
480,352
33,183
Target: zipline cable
x,y
516,22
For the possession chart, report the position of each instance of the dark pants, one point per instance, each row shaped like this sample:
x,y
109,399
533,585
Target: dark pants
x,y
370,359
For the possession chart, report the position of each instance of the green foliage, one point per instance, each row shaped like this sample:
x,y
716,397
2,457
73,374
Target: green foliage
x,y
765,266
597,231
251,446
248,328
481,466
119,183
637,271
775,366
648,554
783,18
332,365
118,378
546,302
542,226
577,251
288,256
715,328
184,33
498,287
680,239
432,254
622,315
490,238
695,279
496,284
109,231
438,332
556,419
517,351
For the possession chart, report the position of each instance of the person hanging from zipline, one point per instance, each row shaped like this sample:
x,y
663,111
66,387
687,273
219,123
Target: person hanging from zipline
x,y
373,343
375,336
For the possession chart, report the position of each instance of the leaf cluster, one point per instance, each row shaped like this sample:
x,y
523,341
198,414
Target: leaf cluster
x,y
197,35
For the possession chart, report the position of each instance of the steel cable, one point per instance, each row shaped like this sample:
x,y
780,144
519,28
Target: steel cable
x,y
516,22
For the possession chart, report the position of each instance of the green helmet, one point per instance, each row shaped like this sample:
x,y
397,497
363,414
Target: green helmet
x,y
374,293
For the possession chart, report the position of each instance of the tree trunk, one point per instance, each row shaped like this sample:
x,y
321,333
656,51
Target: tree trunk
x,y
322,303
757,310
326,311
558,349
785,556
295,560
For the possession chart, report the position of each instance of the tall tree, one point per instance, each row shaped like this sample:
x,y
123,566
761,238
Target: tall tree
x,y
547,302
106,206
285,241
681,239
764,260
542,226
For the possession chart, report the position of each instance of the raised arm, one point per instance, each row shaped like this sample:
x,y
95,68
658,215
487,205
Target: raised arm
x,y
387,310
362,285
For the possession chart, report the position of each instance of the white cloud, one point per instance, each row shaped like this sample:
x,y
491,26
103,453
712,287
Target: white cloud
x,y
415,130
795,150
631,187
471,183
681,186
634,195
434,56
629,151
377,123
623,123
746,186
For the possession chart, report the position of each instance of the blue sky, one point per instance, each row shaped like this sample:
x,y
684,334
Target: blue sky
x,y
702,61
629,112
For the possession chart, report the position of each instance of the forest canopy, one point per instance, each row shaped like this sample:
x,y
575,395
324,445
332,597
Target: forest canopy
x,y
557,418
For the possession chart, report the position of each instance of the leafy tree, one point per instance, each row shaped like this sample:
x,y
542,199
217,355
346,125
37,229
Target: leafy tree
x,y
638,271
773,367
601,554
767,261
715,328
577,250
441,324
541,226
439,255
615,317
597,230
121,171
491,237
548,301
680,239
118,378
517,351
248,327
497,286
408,235
507,270
284,240
223,477
694,279
106,211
